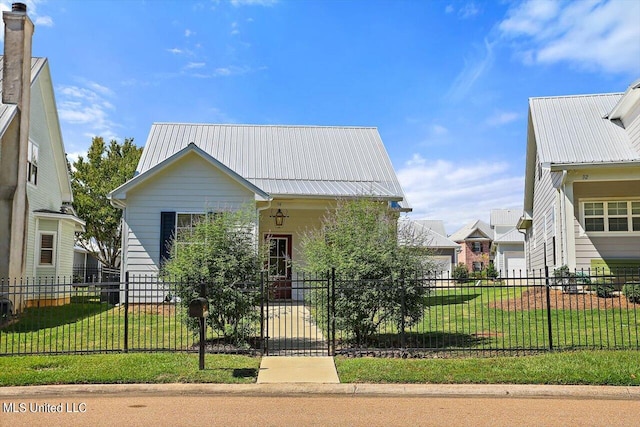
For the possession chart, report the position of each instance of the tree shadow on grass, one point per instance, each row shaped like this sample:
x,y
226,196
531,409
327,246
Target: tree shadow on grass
x,y
436,300
38,318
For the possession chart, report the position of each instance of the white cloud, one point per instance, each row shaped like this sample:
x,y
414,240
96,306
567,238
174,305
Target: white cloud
x,y
237,3
468,10
600,35
86,109
439,130
459,193
472,71
502,118
175,51
188,33
192,65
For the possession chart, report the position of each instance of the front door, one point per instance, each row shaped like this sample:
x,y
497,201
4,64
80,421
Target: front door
x,y
280,265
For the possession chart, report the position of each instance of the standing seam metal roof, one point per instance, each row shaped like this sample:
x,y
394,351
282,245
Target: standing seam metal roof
x,y
294,160
573,129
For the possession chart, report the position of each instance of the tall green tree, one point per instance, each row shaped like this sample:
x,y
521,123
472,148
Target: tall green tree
x,y
105,168
376,260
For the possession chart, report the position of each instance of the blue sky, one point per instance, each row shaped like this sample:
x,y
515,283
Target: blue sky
x,y
445,82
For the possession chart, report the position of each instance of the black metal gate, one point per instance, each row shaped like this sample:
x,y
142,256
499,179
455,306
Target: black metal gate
x,y
300,325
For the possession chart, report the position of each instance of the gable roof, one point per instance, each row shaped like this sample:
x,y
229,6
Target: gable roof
x,y
120,193
476,230
575,129
504,217
432,232
298,161
513,236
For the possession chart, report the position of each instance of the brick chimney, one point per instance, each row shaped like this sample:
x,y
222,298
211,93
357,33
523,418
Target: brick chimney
x,y
16,90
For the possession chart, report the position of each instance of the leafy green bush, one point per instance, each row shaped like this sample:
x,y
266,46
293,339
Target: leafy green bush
x,y
631,290
460,273
219,253
603,288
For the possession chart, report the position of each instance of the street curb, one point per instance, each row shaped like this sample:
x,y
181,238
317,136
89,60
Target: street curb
x,y
302,389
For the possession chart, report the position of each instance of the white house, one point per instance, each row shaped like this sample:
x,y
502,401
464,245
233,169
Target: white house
x,y
507,247
582,182
37,222
290,175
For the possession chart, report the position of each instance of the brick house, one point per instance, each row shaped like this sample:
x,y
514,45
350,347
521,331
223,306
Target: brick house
x,y
475,245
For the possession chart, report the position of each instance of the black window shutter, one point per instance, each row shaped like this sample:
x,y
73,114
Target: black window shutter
x,y
167,228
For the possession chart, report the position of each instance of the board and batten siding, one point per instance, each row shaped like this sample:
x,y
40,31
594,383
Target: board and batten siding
x,y
544,199
632,124
190,185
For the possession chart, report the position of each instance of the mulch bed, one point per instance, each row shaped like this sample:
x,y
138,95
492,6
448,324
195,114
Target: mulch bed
x,y
536,298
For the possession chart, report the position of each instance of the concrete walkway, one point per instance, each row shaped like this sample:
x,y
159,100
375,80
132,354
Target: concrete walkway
x,y
292,331
319,370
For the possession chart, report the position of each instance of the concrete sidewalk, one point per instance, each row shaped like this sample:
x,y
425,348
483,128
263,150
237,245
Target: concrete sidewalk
x,y
307,389
292,370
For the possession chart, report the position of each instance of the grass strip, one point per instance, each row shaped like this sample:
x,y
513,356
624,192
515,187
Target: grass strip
x,y
145,368
619,368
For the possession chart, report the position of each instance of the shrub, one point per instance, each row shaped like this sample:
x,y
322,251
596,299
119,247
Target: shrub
x,y
603,288
460,273
631,290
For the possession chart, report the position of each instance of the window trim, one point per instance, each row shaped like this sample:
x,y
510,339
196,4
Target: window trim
x,y
605,216
42,233
31,166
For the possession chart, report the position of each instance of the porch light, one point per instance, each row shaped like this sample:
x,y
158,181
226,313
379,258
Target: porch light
x,y
279,217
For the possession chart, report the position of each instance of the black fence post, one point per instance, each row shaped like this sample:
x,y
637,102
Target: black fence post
x,y
203,326
333,311
403,311
126,312
548,295
262,297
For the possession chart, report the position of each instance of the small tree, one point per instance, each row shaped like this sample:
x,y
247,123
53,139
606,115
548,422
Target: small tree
x,y
219,252
361,240
105,168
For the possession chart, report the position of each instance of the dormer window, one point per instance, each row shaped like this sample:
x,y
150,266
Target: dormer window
x,y
32,164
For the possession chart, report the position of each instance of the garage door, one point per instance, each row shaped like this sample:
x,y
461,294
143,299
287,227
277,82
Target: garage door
x,y
514,262
443,264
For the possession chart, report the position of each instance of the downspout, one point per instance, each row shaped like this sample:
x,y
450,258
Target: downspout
x,y
258,221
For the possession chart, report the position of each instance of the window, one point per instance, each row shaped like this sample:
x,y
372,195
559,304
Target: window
x,y
477,266
611,216
476,247
32,164
185,222
47,249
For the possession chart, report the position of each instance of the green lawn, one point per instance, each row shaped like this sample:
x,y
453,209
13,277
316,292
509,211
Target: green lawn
x,y
580,367
577,367
127,369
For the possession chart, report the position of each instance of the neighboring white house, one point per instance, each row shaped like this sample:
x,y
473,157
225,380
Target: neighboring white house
x,y
37,222
443,251
290,175
582,182
507,247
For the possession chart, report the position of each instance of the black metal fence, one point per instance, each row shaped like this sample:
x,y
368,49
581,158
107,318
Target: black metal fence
x,y
415,316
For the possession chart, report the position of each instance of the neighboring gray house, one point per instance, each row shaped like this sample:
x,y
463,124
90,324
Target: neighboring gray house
x,y
507,248
290,175
37,222
582,182
433,235
475,245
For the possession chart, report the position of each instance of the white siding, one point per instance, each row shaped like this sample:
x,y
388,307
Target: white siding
x,y
543,204
46,194
190,185
633,127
